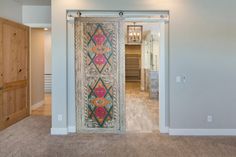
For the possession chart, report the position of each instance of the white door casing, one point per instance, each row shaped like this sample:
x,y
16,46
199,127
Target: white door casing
x,y
164,111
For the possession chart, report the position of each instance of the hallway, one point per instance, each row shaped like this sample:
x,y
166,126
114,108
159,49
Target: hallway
x,y
45,109
142,113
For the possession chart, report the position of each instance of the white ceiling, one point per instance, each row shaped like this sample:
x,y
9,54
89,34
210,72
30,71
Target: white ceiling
x,y
34,2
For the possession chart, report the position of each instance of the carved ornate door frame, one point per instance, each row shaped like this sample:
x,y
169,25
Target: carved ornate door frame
x,y
100,74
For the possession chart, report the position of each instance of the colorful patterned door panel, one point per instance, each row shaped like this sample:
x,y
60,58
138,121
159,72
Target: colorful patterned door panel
x,y
99,74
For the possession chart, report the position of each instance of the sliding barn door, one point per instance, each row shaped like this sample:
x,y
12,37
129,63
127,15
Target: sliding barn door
x,y
14,56
100,74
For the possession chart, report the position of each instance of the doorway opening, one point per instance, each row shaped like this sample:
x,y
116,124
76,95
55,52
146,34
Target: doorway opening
x,y
142,66
40,71
136,78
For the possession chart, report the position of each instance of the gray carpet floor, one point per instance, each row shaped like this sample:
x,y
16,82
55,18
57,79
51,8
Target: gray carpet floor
x,y
30,138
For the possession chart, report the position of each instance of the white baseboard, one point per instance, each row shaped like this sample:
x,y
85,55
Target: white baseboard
x,y
37,105
59,131
71,129
164,130
202,132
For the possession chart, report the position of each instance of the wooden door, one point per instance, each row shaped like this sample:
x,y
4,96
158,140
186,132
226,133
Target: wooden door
x,y
100,74
14,63
1,75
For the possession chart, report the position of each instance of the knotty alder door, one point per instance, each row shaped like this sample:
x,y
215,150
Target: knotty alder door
x,y
14,80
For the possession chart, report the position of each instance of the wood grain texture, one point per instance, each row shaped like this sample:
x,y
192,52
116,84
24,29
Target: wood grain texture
x,y
115,77
14,71
142,112
132,62
1,75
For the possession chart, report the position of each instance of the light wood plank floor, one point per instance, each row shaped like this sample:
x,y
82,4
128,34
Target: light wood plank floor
x,y
45,109
142,113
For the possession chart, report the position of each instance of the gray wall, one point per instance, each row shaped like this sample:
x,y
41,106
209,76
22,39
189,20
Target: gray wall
x,y
37,65
202,47
34,15
11,10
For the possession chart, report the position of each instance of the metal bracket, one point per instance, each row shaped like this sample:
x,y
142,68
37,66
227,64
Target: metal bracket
x,y
79,13
121,13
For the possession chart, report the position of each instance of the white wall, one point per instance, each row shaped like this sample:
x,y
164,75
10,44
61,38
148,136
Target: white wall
x,y
47,62
36,16
47,52
40,64
11,10
201,47
36,2
37,66
151,45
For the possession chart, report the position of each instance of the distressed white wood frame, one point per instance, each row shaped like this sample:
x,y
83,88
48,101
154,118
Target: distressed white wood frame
x,y
158,16
119,106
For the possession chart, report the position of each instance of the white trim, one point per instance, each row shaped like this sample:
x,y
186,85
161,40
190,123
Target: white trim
x,y
164,130
202,132
38,25
30,71
71,115
162,82
59,131
37,105
163,56
151,16
71,129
